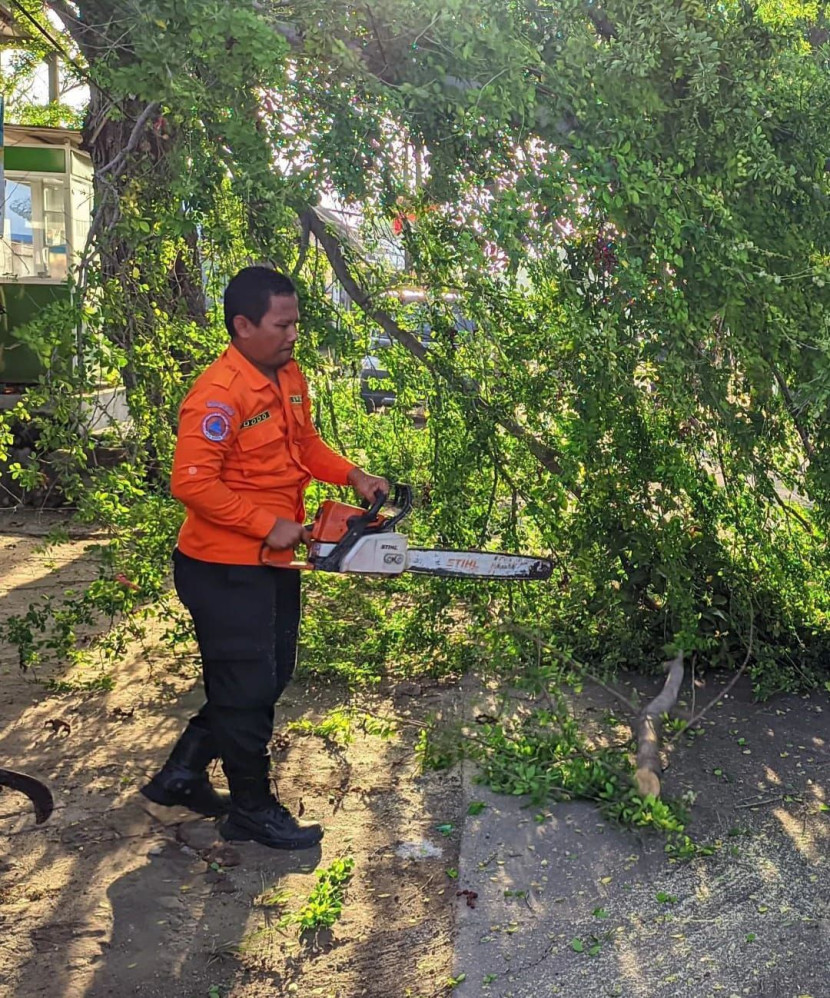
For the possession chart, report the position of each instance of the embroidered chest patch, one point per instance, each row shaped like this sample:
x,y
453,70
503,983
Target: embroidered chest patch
x,y
296,400
254,420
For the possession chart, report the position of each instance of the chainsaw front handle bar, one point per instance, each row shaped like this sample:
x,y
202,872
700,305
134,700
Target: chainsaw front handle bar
x,y
359,526
402,502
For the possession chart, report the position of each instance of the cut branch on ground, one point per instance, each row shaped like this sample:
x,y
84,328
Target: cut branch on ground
x,y
649,727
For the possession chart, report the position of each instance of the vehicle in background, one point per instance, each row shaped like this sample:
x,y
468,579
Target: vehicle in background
x,y
376,388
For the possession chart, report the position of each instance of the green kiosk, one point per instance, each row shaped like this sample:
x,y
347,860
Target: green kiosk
x,y
47,208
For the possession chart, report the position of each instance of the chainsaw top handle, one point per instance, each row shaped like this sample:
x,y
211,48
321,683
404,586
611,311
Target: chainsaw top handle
x,y
365,523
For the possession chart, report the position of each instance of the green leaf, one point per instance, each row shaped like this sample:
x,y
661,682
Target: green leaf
x,y
476,807
577,945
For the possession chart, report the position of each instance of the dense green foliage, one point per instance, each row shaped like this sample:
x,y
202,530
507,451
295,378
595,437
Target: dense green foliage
x,y
629,204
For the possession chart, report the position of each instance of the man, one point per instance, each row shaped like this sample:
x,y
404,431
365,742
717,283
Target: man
x,y
246,451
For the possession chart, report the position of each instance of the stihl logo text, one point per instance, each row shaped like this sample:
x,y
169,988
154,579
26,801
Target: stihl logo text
x,y
469,563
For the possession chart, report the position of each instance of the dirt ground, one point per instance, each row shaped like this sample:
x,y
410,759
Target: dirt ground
x,y
114,896
573,905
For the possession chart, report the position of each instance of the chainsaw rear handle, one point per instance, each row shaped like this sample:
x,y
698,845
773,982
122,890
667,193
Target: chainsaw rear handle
x,y
368,522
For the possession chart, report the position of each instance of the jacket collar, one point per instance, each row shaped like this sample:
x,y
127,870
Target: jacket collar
x,y
252,375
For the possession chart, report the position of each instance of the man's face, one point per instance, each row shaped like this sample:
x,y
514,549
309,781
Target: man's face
x,y
270,344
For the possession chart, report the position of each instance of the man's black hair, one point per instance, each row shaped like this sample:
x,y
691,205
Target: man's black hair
x,y
250,293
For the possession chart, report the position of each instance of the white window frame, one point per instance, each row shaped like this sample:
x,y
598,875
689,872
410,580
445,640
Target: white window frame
x,y
36,181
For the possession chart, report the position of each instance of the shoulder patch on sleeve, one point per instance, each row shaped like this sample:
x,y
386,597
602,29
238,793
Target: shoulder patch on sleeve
x,y
215,404
216,426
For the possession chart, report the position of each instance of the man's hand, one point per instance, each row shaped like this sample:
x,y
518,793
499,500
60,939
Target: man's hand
x,y
287,534
366,485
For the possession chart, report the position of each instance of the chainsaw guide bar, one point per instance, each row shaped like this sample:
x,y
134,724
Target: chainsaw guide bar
x,y
348,539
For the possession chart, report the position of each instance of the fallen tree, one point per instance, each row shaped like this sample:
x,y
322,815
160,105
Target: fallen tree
x,y
630,216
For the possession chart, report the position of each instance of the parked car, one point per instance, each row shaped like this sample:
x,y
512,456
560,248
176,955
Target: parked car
x,y
374,393
373,372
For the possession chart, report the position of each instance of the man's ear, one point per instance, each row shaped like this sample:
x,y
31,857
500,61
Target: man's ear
x,y
242,326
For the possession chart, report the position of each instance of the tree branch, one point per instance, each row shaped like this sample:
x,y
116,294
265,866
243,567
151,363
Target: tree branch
x,y
332,248
546,456
373,58
649,726
604,28
117,163
729,686
80,32
69,18
792,409
304,242
790,510
513,628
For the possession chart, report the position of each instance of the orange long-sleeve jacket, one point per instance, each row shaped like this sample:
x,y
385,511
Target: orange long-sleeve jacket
x,y
246,450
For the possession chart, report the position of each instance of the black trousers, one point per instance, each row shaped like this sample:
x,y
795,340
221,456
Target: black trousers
x,y
247,620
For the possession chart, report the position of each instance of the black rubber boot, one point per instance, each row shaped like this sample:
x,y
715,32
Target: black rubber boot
x,y
183,780
257,816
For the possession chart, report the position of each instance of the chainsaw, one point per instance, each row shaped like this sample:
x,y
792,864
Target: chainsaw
x,y
352,539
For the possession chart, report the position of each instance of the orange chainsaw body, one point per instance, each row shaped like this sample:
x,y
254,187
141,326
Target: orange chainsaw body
x,y
332,521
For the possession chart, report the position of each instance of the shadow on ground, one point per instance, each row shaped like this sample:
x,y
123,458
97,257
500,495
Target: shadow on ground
x,y
115,897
